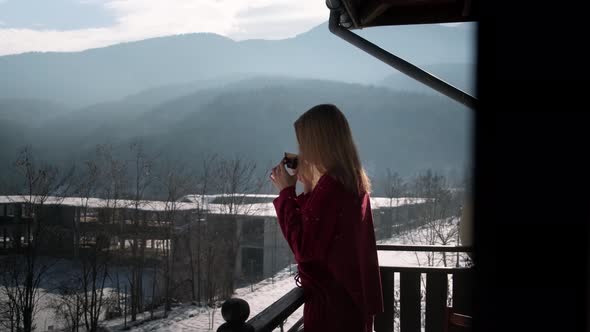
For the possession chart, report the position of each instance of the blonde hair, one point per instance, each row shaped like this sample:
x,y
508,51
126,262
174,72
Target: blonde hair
x,y
326,146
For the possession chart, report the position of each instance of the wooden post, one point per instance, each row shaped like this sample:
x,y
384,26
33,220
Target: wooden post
x,y
436,301
385,320
462,293
410,302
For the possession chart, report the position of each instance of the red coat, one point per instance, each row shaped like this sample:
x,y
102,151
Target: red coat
x,y
330,232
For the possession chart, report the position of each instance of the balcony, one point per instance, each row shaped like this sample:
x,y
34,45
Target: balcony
x,y
416,299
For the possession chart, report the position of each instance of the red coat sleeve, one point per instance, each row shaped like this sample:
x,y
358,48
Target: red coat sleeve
x,y
308,221
302,199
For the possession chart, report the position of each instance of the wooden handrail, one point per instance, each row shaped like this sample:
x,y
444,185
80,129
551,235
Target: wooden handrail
x,y
403,247
265,321
426,269
276,313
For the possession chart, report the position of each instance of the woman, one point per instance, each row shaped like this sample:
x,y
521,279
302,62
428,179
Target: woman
x,y
329,227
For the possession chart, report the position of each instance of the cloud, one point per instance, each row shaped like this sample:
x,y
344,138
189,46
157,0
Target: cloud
x,y
279,19
451,24
141,19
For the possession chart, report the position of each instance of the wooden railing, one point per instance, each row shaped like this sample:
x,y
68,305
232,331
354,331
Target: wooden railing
x,y
236,311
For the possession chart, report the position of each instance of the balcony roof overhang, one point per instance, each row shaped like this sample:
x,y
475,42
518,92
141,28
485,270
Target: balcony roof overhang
x,y
371,13
350,14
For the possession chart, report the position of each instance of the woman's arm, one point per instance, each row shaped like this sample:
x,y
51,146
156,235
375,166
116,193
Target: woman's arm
x,y
308,230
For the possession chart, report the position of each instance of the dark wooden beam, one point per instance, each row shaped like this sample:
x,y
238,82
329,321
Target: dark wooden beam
x,y
388,247
271,317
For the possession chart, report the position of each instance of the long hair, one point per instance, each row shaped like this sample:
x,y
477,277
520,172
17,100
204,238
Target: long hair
x,y
326,146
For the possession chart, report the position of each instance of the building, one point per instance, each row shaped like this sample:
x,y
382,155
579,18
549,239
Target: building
x,y
241,227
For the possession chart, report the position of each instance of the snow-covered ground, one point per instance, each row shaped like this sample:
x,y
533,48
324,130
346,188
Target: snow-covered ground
x,y
188,317
442,232
62,272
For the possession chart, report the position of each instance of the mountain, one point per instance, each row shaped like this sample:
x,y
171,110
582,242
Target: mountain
x,y
19,119
190,94
460,75
254,118
110,73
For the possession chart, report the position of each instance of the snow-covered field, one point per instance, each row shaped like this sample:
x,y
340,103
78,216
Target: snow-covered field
x,y
60,273
441,233
187,317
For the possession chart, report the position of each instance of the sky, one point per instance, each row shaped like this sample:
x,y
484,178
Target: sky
x,y
74,25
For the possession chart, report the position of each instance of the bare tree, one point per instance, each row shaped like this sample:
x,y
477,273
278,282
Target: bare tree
x,y
238,179
10,318
67,306
214,268
113,178
113,186
143,166
437,224
154,280
394,186
206,182
85,187
23,272
83,295
177,182
94,274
